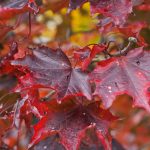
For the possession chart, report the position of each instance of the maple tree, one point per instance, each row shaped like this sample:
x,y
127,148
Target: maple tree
x,y
63,66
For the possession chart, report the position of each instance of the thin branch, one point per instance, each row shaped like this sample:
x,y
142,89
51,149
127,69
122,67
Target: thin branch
x,y
124,51
48,96
29,34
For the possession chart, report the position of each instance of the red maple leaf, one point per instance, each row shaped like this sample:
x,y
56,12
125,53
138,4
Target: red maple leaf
x,y
73,123
10,8
49,143
5,66
95,50
127,74
52,69
86,54
117,10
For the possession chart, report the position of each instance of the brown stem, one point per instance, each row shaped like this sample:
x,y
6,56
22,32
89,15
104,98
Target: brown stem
x,y
29,25
48,96
124,51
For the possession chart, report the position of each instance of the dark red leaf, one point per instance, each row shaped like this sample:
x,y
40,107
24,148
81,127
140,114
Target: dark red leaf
x,y
49,143
29,102
127,74
95,50
92,140
144,7
5,66
86,54
133,30
33,6
117,10
72,122
10,8
82,54
52,68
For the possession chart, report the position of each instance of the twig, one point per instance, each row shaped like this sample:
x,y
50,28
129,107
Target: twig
x,y
48,96
29,34
124,51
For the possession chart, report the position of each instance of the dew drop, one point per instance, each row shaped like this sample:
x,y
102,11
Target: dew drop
x,y
84,114
2,62
5,116
1,106
27,112
109,87
15,147
45,147
59,102
52,128
118,63
9,54
93,123
17,115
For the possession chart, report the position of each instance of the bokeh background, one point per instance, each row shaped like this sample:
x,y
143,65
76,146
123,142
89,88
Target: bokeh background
x,y
55,27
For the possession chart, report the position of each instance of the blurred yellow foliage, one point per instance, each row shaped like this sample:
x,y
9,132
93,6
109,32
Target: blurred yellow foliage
x,y
81,19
